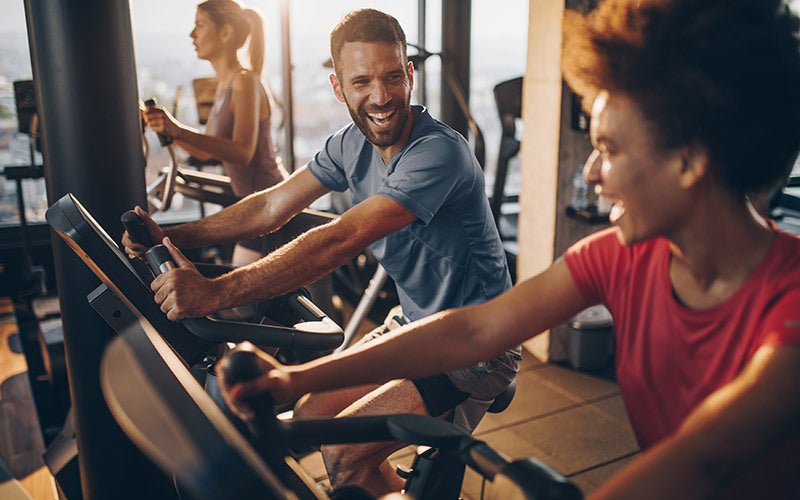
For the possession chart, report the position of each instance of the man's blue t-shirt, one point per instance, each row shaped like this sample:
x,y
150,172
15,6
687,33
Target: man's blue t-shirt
x,y
452,255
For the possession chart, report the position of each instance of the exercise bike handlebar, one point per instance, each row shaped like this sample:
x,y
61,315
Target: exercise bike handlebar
x,y
532,477
316,332
276,336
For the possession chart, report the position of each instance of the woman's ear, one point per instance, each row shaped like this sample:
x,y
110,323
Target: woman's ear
x,y
226,32
694,165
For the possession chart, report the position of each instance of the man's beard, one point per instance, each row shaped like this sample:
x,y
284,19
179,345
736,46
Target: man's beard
x,y
386,138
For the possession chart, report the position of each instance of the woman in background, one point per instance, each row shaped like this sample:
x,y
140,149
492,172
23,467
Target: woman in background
x,y
238,128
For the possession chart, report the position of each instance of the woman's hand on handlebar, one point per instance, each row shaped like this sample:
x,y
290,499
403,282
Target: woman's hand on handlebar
x,y
183,292
137,250
161,121
277,381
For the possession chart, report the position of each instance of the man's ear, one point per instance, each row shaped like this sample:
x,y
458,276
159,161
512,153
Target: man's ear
x,y
411,74
694,166
337,87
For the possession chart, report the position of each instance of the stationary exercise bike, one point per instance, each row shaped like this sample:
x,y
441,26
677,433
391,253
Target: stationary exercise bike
x,y
172,421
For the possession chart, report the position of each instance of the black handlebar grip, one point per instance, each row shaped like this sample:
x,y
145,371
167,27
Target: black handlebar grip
x,y
135,227
159,259
163,139
242,364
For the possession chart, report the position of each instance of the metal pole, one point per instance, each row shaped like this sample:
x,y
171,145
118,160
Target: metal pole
x,y
288,99
420,76
456,28
87,101
364,305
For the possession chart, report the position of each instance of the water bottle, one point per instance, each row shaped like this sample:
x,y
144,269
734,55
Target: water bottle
x,y
580,191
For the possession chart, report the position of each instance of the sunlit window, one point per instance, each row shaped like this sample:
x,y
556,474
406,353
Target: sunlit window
x,y
167,65
499,39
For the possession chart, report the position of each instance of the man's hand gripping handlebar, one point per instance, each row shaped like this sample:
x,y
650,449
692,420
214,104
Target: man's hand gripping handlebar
x,y
170,289
141,231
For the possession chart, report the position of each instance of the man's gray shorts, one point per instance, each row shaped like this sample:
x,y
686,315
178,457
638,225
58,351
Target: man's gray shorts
x,y
482,382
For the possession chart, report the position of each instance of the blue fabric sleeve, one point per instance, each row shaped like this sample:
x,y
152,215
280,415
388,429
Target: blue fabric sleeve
x,y
427,175
327,166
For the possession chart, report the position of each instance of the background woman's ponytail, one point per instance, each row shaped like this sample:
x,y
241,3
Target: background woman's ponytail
x,y
255,49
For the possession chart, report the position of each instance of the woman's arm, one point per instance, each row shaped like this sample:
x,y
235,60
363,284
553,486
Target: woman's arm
x,y
440,343
245,99
722,437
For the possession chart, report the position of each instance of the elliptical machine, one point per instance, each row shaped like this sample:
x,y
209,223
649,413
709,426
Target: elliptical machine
x,y
291,321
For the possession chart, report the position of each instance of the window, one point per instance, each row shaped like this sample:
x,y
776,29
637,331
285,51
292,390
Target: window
x,y
167,64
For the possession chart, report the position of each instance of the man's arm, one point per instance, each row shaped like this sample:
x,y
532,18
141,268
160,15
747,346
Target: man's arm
x,y
722,437
259,213
183,293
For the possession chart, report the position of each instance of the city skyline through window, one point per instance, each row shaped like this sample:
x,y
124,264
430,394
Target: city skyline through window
x,y
166,61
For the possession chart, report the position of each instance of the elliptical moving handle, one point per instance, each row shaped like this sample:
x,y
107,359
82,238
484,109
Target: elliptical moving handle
x,y
159,259
135,227
163,139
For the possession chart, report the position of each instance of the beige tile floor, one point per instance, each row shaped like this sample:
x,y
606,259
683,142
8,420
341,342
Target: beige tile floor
x,y
572,421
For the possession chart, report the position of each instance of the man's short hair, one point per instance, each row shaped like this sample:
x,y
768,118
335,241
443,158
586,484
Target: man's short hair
x,y
366,25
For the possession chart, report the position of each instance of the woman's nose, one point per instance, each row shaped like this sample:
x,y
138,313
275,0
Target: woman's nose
x,y
591,168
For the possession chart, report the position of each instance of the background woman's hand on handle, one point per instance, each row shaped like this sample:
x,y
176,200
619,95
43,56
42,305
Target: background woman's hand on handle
x,y
158,119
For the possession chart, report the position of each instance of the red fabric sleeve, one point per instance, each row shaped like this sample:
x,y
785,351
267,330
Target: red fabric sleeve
x,y
595,262
782,324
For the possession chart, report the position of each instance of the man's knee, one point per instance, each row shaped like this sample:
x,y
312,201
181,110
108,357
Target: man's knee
x,y
354,464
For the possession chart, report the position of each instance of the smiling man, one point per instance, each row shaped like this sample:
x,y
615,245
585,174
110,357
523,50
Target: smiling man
x,y
419,203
